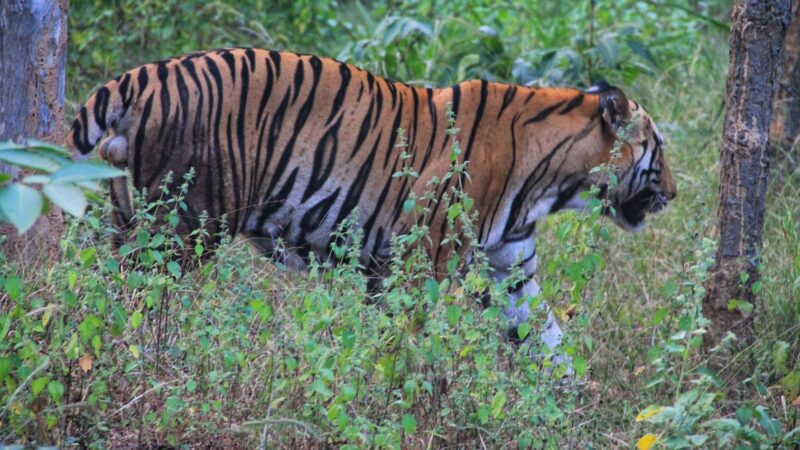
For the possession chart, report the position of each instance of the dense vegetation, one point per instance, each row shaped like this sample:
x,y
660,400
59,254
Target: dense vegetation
x,y
106,350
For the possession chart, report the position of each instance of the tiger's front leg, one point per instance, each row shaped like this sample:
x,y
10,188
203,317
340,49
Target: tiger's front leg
x,y
518,309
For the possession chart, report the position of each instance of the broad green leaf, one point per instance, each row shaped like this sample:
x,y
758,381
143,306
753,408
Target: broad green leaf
x,y
67,197
14,287
8,145
730,425
697,439
49,148
483,414
5,368
648,412
523,330
174,268
498,402
56,389
432,289
409,423
86,171
641,50
39,384
453,314
136,319
28,160
771,426
20,205
36,179
580,365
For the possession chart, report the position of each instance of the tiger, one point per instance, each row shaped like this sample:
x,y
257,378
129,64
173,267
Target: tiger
x,y
286,146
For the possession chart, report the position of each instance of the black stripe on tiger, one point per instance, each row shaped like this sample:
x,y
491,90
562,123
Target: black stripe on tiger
x,y
543,114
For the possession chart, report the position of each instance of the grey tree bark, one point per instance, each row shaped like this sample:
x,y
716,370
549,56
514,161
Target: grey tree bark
x,y
756,39
33,50
786,121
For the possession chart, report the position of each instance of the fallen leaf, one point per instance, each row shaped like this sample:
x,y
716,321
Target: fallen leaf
x,y
85,362
638,371
648,413
796,402
646,441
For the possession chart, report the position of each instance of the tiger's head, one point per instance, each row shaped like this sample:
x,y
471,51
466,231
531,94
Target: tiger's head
x,y
645,183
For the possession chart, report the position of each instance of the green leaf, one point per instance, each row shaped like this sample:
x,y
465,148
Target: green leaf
x,y
659,316
157,240
67,197
743,306
409,423
56,389
86,171
468,203
580,365
744,414
454,211
432,289
20,205
97,344
36,179
498,402
523,330
5,368
771,426
14,287
608,50
780,355
453,314
28,160
483,414
48,148
641,50
730,425
348,393
408,205
174,268
8,145
136,319
697,439
38,384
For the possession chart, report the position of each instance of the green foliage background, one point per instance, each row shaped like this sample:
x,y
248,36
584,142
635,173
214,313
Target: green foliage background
x,y
101,349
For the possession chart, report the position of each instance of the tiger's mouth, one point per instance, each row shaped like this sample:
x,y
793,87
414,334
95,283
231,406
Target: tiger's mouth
x,y
631,214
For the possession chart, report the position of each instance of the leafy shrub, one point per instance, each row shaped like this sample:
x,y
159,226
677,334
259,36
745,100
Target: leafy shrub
x,y
62,181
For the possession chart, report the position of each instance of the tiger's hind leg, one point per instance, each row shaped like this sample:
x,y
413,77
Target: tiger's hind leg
x,y
114,149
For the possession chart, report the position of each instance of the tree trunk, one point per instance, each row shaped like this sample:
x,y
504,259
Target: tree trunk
x,y
33,50
757,36
786,123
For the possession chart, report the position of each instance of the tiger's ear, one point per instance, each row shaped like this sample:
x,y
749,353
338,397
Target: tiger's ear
x,y
614,107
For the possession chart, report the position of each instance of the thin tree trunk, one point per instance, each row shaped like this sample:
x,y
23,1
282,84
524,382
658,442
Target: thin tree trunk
x,y
786,123
757,35
33,50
